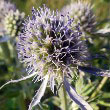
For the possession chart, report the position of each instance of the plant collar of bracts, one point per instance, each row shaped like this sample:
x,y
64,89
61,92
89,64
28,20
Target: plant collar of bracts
x,y
75,52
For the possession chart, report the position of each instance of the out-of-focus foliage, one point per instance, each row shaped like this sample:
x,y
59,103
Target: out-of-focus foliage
x,y
95,90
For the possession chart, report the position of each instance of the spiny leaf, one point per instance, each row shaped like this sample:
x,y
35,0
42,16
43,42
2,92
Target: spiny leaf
x,y
39,94
75,97
95,71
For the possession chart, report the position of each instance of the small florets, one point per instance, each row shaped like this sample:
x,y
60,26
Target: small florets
x,y
5,7
82,13
13,22
49,45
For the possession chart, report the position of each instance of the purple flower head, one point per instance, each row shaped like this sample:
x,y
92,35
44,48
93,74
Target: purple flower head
x,y
6,6
49,45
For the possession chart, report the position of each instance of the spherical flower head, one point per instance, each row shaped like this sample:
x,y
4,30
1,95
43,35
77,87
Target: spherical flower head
x,y
82,13
13,22
5,7
49,45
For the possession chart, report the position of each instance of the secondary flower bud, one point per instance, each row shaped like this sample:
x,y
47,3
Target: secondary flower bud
x,y
82,13
13,22
5,7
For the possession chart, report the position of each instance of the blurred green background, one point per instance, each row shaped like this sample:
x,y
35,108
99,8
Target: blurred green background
x,y
101,7
18,96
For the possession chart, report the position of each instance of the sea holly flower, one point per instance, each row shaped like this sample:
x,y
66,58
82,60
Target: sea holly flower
x,y
13,22
51,48
5,7
10,19
82,13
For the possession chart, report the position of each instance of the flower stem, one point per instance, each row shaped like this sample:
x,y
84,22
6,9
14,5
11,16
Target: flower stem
x,y
99,87
62,94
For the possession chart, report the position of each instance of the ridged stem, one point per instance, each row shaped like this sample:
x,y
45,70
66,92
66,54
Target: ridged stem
x,y
99,87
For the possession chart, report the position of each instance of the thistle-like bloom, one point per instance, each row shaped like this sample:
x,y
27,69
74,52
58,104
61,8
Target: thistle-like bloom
x,y
13,22
48,45
82,13
52,48
5,7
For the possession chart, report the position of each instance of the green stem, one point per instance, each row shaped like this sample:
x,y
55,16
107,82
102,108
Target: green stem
x,y
62,94
99,87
